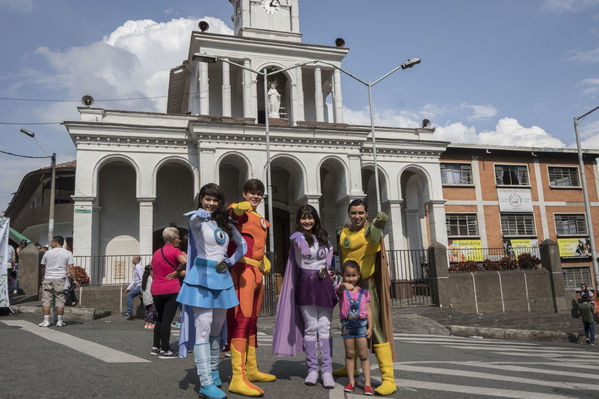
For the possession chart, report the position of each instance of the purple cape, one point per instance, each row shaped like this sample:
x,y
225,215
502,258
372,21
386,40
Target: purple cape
x,y
288,336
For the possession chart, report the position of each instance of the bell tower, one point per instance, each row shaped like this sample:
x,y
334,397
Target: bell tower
x,y
267,19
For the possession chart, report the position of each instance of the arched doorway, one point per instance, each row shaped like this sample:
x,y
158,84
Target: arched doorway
x,y
282,84
369,188
415,193
174,197
233,172
334,199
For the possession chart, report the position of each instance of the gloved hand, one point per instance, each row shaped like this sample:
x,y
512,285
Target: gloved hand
x,y
200,214
230,261
300,242
266,265
242,207
380,220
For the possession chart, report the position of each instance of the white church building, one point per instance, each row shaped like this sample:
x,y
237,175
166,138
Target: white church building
x,y
139,171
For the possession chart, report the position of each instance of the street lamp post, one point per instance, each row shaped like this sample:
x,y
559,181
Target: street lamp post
x,y
211,60
408,64
52,184
587,205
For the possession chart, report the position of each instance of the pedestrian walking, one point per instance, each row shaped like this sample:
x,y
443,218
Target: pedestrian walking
x,y
165,288
134,288
587,314
56,261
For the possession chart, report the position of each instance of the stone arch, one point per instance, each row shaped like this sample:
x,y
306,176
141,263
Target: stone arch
x,y
179,160
115,158
415,190
333,185
234,169
368,187
175,192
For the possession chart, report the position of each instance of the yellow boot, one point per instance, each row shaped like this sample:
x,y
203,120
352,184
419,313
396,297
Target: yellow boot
x,y
383,355
251,366
239,383
342,371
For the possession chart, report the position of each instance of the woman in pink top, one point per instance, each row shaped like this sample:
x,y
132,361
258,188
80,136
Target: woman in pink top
x,y
165,287
356,323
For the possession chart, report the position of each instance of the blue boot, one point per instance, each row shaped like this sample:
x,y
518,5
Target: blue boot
x,y
208,390
215,349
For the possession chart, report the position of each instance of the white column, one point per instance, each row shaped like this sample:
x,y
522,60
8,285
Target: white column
x,y
226,89
146,225
541,197
247,101
204,89
394,226
355,176
83,226
254,94
207,166
295,26
318,99
298,103
437,223
313,200
480,209
337,99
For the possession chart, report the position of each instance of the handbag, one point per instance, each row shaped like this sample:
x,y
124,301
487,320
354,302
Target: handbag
x,y
171,265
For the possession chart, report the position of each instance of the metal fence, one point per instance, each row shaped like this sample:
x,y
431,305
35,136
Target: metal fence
x,y
109,269
410,277
473,259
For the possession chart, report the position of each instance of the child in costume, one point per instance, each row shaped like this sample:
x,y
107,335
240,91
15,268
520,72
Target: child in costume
x,y
247,276
307,298
356,323
207,290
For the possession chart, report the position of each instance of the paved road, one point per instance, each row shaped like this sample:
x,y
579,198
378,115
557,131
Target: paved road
x,y
110,358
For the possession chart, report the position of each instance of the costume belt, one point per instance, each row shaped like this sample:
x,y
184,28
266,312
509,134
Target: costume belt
x,y
252,262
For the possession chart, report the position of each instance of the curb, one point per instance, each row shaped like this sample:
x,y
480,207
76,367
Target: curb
x,y
71,313
513,334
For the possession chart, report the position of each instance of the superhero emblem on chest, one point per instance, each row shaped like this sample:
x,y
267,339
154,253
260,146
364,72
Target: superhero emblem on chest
x,y
263,223
220,236
321,253
346,242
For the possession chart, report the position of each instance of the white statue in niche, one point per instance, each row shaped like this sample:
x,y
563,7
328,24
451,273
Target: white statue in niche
x,y
274,101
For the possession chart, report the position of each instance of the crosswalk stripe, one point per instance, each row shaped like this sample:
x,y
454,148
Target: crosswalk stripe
x,y
496,377
540,351
88,348
559,357
477,390
513,367
461,341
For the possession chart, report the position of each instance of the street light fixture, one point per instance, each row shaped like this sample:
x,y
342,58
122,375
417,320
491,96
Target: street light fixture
x,y
52,185
408,64
587,205
212,60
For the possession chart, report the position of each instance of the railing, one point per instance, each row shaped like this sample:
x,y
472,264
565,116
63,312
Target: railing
x,y
477,259
109,269
269,300
409,271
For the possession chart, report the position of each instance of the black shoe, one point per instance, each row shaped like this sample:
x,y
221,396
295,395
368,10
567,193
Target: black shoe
x,y
131,317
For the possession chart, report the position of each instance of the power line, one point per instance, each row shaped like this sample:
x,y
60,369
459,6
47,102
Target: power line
x,y
19,155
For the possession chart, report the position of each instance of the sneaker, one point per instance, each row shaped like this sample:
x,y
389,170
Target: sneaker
x,y
167,355
44,324
588,341
349,388
176,325
130,317
60,323
155,351
368,391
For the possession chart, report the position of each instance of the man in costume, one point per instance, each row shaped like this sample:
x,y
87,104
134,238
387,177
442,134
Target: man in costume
x,y
362,242
247,276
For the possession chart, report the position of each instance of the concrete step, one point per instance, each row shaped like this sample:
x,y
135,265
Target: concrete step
x,y
70,312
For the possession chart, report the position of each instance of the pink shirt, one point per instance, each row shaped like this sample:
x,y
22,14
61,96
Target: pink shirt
x,y
344,302
160,284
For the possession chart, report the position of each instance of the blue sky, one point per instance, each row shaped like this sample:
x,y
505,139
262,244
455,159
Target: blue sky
x,y
497,72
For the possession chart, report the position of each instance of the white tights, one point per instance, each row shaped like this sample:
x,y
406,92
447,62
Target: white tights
x,y
208,322
317,322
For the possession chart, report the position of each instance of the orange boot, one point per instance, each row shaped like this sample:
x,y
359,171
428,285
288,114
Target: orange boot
x,y
239,382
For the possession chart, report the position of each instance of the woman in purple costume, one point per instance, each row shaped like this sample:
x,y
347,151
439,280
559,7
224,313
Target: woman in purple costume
x,y
307,298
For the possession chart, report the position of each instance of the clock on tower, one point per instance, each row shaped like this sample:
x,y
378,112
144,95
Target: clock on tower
x,y
267,19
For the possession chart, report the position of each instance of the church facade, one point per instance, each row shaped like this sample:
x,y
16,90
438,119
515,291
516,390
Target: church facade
x,y
138,171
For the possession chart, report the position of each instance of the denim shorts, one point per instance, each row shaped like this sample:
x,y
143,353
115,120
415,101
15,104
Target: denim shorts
x,y
354,328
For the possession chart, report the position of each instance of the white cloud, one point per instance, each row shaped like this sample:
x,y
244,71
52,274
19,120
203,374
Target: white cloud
x,y
589,133
11,174
480,111
509,131
381,118
585,56
457,133
23,5
589,86
564,6
132,61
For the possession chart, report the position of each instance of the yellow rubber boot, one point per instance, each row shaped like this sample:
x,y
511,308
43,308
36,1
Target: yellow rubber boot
x,y
239,382
251,366
383,355
342,371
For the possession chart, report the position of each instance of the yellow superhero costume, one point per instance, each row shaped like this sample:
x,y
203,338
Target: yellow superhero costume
x,y
366,248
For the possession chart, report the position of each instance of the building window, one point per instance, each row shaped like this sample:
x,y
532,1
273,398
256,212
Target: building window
x,y
570,224
517,224
574,276
461,225
456,173
563,177
511,175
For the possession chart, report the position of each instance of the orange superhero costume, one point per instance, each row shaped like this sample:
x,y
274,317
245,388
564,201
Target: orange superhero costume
x,y
247,275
